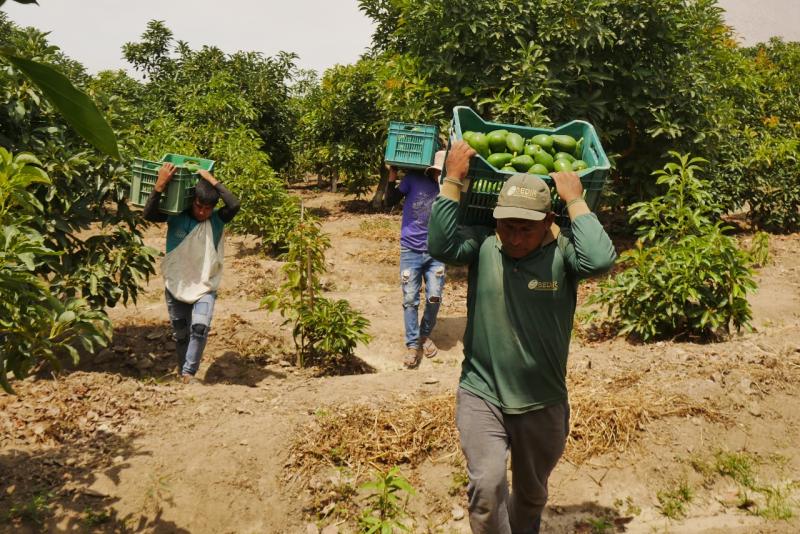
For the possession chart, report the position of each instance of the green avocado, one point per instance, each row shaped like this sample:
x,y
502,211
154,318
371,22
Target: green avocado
x,y
562,165
508,168
579,165
537,168
191,167
564,143
543,158
497,140
522,163
543,140
564,155
515,143
480,143
499,160
530,150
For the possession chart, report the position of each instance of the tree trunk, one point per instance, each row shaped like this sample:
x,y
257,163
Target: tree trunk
x,y
380,191
334,181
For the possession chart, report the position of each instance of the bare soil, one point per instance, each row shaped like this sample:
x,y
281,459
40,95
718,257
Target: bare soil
x,y
115,444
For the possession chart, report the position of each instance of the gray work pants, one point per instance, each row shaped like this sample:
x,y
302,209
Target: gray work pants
x,y
536,440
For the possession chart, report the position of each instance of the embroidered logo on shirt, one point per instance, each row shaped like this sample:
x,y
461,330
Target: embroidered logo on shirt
x,y
539,285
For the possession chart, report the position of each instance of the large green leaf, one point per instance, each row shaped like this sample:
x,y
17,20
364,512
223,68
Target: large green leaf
x,y
20,2
74,105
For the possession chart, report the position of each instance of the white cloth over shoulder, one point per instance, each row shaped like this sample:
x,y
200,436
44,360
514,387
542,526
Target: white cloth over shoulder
x,y
194,267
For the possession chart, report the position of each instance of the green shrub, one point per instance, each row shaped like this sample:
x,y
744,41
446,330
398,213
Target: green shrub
x,y
36,324
684,276
323,329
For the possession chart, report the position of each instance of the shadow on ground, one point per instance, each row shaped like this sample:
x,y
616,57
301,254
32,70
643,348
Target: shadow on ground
x,y
585,518
449,331
233,368
56,489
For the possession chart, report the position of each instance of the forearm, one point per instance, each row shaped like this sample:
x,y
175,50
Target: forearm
x,y
151,212
594,251
393,194
232,204
445,242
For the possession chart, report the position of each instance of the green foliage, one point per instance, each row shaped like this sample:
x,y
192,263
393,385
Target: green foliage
x,y
674,501
233,109
77,109
768,501
242,89
759,250
35,510
36,323
341,130
86,190
323,329
622,66
385,506
737,465
684,276
756,160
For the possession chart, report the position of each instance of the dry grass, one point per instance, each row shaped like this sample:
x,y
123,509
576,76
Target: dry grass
x,y
359,436
605,417
608,417
378,228
388,256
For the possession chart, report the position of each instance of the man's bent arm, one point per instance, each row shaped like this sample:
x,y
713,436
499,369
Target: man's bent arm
x,y
151,212
592,251
232,205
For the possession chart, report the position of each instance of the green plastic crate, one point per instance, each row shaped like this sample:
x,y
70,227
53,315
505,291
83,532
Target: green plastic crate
x,y
411,146
180,191
179,160
485,182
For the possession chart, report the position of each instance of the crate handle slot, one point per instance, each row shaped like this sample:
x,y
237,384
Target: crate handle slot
x,y
593,148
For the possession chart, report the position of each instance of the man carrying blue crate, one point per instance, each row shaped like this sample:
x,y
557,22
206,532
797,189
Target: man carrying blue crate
x,y
521,298
192,267
416,265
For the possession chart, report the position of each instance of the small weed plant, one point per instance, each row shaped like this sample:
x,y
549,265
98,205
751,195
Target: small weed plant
x,y
385,506
684,276
759,250
34,510
674,501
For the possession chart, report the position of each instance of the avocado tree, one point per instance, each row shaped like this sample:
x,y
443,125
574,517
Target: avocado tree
x,y
341,129
235,109
623,66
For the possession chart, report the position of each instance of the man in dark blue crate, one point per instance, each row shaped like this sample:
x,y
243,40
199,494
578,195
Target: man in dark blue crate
x,y
192,267
521,298
416,265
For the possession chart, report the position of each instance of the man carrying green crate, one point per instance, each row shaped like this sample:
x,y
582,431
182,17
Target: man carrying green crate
x,y
521,298
416,265
193,265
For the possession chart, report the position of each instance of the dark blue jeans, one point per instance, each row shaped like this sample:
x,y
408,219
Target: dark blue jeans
x,y
190,326
414,268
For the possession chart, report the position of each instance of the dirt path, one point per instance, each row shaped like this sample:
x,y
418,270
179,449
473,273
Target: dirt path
x,y
131,451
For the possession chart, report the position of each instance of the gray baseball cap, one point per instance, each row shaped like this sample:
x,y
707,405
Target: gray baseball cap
x,y
523,196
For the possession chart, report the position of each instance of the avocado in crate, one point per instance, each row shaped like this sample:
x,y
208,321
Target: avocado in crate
x,y
411,146
506,149
180,191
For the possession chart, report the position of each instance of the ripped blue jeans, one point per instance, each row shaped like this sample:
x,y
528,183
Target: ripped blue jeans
x,y
190,326
414,267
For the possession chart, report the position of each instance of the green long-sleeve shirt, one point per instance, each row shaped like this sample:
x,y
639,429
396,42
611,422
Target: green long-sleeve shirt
x,y
519,312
